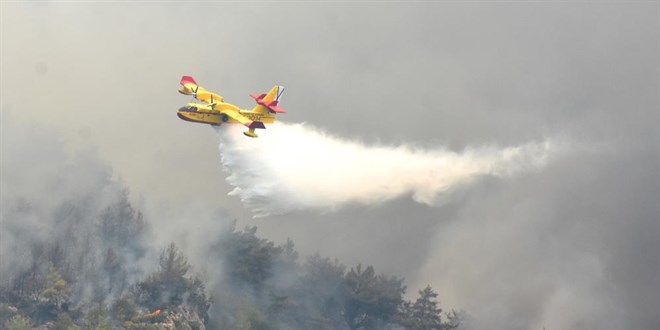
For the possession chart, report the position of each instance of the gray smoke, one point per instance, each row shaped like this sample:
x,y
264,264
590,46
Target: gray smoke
x,y
66,211
572,246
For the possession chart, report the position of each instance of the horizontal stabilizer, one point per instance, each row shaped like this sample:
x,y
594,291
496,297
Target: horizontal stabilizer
x,y
269,102
272,105
276,109
258,97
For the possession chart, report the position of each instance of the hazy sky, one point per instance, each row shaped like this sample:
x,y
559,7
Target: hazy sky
x,y
576,245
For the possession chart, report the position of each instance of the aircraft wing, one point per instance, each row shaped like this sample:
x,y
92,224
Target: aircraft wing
x,y
190,87
208,97
244,120
251,125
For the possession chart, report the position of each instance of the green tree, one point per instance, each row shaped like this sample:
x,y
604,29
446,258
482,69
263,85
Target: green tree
x,y
64,322
124,309
370,301
173,265
169,287
424,313
6,311
57,290
454,319
122,225
250,317
166,287
98,319
18,322
321,289
289,254
249,259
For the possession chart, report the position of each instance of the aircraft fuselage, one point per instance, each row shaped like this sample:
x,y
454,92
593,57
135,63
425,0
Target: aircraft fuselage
x,y
216,115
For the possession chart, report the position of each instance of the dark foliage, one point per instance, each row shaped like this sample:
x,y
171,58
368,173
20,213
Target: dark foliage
x,y
79,278
249,259
169,287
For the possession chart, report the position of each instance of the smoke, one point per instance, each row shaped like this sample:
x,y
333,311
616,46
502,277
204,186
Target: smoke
x,y
299,167
65,210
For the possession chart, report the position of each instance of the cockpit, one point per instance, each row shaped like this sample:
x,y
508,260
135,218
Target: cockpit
x,y
188,108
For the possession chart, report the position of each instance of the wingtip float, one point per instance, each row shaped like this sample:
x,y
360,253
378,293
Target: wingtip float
x,y
211,108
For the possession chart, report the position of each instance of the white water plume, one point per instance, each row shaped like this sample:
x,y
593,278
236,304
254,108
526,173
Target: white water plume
x,y
299,167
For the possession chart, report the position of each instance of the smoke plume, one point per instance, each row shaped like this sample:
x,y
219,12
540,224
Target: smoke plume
x,y
299,167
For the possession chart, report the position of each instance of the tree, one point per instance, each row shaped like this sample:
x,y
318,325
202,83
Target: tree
x,y
321,293
370,300
173,265
122,231
18,322
58,290
289,254
424,313
37,275
116,275
98,319
64,322
166,287
249,258
169,287
121,225
250,317
124,309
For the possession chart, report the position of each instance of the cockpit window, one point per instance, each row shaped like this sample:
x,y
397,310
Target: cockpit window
x,y
188,108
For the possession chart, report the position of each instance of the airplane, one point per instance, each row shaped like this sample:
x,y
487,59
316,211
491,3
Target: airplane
x,y
214,111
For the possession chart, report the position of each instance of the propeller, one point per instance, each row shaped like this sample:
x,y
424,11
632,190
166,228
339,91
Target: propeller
x,y
194,92
212,103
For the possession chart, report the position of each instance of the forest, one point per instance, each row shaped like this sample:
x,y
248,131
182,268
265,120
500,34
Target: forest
x,y
86,270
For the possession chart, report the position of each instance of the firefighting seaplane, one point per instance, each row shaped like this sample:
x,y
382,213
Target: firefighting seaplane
x,y
211,108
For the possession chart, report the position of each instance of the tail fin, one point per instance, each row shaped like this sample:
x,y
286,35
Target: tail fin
x,y
268,102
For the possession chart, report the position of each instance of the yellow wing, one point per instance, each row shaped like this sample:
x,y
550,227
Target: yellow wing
x,y
251,125
190,87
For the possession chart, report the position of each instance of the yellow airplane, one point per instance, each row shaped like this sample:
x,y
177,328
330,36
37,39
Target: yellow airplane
x,y
215,111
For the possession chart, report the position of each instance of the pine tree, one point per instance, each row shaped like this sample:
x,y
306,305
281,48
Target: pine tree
x,y
424,313
425,310
370,300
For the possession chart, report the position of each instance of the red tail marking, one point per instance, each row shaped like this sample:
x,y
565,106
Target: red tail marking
x,y
258,97
277,109
272,105
188,79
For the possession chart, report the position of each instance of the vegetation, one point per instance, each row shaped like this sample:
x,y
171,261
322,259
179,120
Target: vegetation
x,y
82,276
